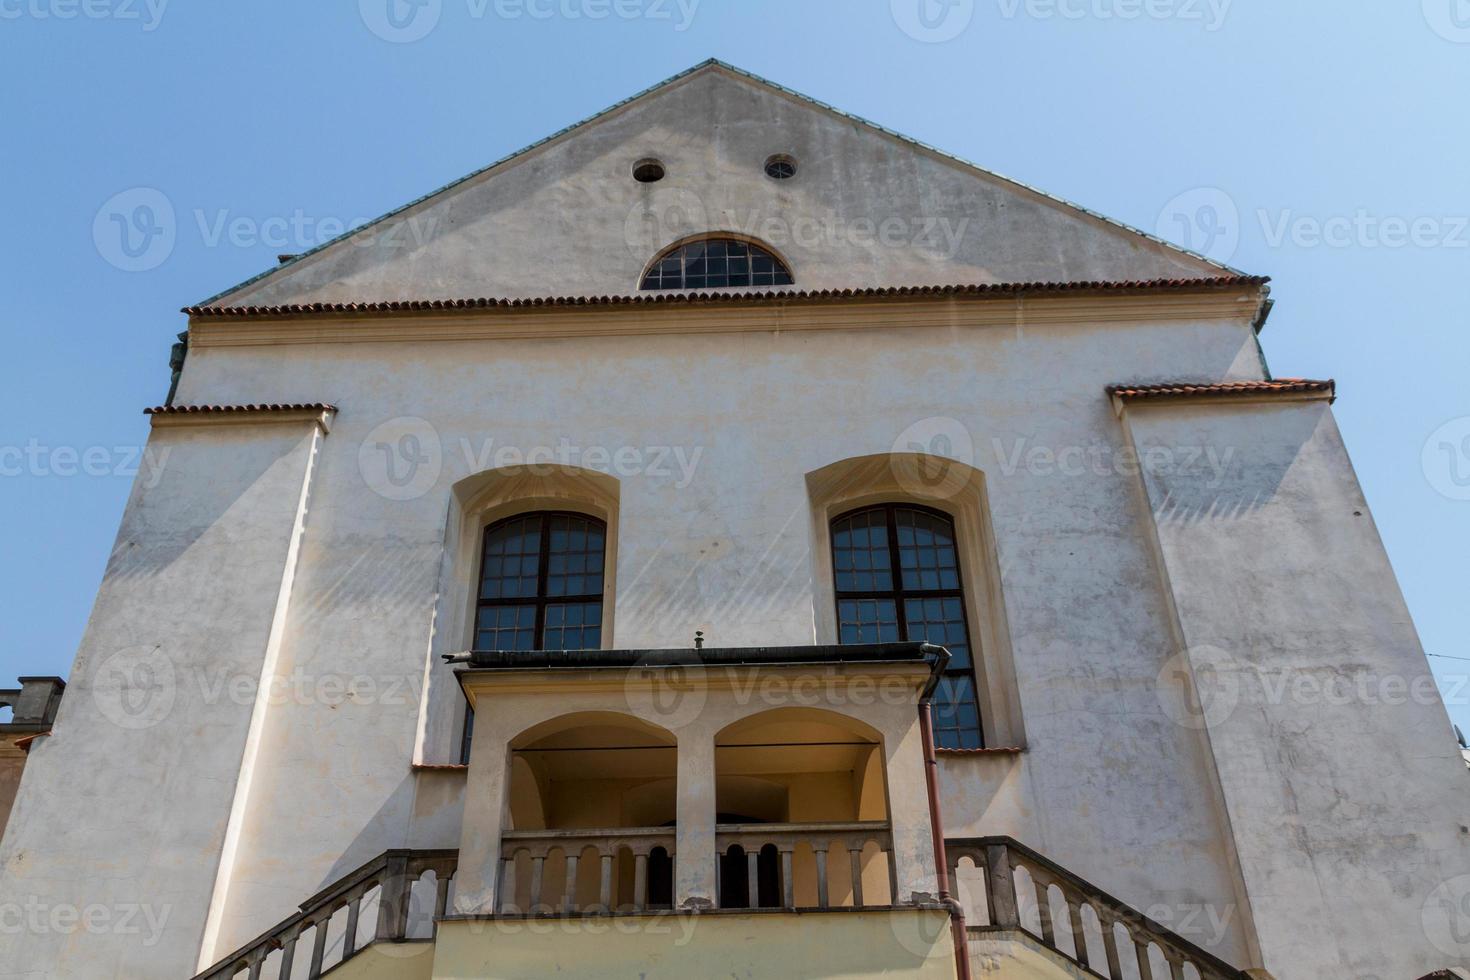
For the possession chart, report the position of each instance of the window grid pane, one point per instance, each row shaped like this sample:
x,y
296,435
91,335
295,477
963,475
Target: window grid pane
x,y
512,559
860,553
926,603
534,570
573,626
574,562
716,263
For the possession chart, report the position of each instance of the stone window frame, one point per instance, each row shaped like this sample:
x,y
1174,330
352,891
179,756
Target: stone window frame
x,y
904,478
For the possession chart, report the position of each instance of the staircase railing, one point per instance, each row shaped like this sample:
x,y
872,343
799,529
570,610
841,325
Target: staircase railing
x,y
394,873
1001,857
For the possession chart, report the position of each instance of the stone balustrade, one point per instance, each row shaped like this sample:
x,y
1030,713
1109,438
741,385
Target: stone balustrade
x,y
853,842
609,843
1022,889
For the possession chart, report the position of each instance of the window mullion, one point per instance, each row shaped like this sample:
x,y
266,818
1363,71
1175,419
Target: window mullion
x,y
895,570
543,561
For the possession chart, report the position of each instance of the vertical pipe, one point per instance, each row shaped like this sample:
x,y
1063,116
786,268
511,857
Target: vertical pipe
x,y
936,828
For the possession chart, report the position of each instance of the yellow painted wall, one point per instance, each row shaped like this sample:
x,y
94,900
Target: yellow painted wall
x,y
911,943
389,961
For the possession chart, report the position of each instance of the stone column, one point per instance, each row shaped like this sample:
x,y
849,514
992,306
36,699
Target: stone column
x,y
488,780
694,876
908,809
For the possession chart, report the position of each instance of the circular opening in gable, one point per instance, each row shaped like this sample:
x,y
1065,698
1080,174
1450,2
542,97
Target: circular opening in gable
x,y
781,167
648,171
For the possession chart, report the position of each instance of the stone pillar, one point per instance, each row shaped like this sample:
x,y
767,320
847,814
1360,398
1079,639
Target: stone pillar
x,y
694,863
908,809
486,786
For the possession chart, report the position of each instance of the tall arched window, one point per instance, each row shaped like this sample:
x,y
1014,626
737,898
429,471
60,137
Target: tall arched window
x,y
541,583
541,578
714,262
898,578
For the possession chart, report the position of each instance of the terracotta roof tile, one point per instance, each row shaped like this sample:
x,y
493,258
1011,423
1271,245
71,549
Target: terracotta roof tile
x,y
653,298
227,409
1190,389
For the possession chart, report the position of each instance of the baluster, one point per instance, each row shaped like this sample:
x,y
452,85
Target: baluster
x,y
1110,946
856,854
569,899
1000,887
318,947
288,953
1043,898
821,853
349,941
538,870
788,880
257,960
640,882
393,899
441,893
1079,937
1176,964
719,877
507,883
1145,965
753,877
605,891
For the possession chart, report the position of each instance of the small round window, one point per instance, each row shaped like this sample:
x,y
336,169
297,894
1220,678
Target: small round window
x,y
781,167
648,171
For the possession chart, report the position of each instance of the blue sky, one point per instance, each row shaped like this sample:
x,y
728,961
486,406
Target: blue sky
x,y
1321,143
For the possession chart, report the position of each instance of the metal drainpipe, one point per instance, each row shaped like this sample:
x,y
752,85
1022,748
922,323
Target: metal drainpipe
x,y
936,820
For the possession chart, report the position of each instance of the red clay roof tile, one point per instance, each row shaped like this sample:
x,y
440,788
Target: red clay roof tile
x,y
1190,389
682,297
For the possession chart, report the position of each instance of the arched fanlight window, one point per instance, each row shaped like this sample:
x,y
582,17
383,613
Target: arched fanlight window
x,y
897,578
541,583
716,262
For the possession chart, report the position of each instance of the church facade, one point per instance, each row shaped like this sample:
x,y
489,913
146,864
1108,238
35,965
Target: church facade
x,y
730,538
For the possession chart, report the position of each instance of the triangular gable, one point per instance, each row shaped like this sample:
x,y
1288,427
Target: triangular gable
x,y
868,208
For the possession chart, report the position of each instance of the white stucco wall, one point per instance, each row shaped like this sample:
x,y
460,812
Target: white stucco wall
x,y
729,553
125,806
1344,787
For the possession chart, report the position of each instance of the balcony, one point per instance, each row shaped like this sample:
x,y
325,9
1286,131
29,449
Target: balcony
x,y
636,781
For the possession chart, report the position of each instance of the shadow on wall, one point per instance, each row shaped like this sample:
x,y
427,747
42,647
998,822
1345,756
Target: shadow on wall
x,y
1224,471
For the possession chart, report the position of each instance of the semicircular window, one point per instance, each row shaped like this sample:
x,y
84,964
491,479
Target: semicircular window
x,y
711,263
